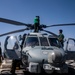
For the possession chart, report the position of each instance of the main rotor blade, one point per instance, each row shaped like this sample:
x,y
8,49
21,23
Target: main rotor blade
x,y
50,33
16,31
70,24
13,22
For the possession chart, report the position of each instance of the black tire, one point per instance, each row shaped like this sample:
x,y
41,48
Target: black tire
x,y
71,71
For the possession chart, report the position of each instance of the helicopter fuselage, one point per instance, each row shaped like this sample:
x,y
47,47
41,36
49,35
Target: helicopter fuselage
x,y
44,50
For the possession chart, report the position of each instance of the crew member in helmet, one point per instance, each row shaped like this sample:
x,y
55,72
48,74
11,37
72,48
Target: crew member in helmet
x,y
61,37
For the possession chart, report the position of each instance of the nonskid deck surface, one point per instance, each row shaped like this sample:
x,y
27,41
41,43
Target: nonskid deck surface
x,y
5,68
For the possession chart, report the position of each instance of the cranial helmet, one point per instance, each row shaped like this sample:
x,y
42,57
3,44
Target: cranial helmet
x,y
60,30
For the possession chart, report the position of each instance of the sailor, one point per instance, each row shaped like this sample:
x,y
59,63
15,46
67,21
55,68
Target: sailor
x,y
61,37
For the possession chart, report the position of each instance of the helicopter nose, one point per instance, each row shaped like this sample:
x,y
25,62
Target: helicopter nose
x,y
55,57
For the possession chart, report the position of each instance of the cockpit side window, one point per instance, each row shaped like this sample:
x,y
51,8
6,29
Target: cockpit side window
x,y
54,42
32,41
43,41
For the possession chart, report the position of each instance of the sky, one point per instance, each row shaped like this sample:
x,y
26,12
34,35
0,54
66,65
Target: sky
x,y
50,12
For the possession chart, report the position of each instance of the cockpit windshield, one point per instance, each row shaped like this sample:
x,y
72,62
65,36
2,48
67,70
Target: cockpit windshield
x,y
32,41
54,42
41,41
44,41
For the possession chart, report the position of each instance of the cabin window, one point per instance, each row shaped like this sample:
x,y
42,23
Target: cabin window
x,y
32,41
11,43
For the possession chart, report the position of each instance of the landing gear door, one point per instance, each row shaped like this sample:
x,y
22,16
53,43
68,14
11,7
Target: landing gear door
x,y
12,49
70,49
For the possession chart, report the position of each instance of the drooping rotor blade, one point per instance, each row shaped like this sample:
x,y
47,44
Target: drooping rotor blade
x,y
69,24
16,31
13,22
50,32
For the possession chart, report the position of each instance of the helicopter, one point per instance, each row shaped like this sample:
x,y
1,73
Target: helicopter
x,y
36,50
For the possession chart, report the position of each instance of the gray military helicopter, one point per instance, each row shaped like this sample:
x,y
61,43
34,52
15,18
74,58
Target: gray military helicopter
x,y
37,51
